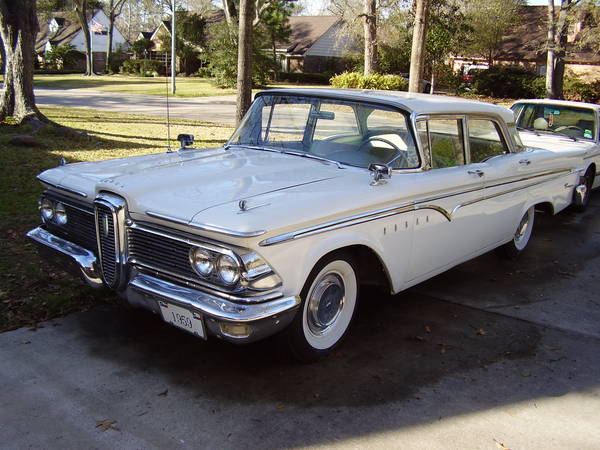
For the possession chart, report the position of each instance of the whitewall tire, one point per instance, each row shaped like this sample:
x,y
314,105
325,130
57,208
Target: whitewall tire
x,y
329,300
523,232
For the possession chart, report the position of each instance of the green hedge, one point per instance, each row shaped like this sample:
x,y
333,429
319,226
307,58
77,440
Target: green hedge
x,y
143,67
308,78
506,82
375,81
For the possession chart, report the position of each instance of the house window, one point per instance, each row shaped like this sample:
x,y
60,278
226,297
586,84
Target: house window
x,y
541,70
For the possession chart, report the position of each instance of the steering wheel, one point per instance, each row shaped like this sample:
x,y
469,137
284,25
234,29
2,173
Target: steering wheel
x,y
400,154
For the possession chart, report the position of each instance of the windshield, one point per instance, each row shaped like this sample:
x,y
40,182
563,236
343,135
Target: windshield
x,y
570,121
352,133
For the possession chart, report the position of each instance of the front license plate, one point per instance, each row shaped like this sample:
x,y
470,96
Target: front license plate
x,y
182,318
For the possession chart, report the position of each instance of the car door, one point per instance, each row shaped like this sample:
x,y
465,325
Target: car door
x,y
507,177
444,233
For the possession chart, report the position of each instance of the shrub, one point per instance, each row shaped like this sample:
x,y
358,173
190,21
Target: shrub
x,y
221,52
375,81
143,67
505,82
61,57
575,89
309,78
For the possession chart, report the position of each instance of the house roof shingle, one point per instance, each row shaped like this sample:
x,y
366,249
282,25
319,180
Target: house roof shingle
x,y
305,32
527,40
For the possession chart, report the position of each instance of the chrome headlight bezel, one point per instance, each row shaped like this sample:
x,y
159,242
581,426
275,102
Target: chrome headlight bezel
x,y
46,207
60,214
202,261
228,269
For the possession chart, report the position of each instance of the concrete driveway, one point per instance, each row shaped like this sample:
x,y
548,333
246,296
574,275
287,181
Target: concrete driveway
x,y
217,109
490,355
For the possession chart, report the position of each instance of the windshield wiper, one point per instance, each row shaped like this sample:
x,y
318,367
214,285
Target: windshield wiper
x,y
311,156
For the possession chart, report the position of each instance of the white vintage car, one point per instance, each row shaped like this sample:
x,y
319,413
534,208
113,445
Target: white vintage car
x,y
316,193
560,125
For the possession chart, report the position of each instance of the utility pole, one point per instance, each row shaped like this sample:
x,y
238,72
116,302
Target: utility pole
x,y
173,55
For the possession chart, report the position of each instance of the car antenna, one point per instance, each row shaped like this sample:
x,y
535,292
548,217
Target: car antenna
x,y
169,149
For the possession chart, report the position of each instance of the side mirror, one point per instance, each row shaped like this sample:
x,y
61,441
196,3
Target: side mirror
x,y
185,140
380,173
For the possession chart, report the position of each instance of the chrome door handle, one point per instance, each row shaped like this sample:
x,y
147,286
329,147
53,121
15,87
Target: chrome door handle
x,y
525,162
477,172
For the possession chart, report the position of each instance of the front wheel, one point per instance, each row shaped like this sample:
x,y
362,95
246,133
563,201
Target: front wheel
x,y
588,181
329,299
516,246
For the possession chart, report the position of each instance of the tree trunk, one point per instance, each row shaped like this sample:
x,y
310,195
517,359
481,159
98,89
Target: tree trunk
x,y
550,58
370,32
562,30
2,57
109,40
81,11
433,79
417,54
244,75
230,12
18,28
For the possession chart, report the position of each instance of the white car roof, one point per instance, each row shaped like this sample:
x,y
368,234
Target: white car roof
x,y
549,101
417,103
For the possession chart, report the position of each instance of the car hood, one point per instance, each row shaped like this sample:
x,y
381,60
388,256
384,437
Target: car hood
x,y
555,142
186,183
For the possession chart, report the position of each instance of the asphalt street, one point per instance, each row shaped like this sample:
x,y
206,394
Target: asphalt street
x,y
217,109
492,354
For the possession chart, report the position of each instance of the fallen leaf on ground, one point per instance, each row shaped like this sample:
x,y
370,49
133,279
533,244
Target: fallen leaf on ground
x,y
106,425
550,347
481,332
280,406
526,373
501,445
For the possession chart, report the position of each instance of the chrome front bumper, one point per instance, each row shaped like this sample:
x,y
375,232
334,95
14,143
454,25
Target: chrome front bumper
x,y
262,319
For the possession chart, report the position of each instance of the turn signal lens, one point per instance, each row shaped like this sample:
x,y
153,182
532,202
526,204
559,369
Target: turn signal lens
x,y
235,330
228,269
202,261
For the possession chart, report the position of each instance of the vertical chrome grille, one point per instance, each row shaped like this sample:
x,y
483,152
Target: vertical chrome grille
x,y
109,214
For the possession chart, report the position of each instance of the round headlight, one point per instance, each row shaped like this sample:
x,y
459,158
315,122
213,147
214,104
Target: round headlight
x,y
46,210
228,269
202,261
60,214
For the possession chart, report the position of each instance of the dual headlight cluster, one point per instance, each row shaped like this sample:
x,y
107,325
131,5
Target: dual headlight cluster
x,y
212,265
54,212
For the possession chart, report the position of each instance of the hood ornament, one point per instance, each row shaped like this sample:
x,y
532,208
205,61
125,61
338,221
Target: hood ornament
x,y
243,205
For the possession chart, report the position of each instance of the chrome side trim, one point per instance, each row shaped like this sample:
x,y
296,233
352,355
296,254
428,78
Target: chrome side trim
x,y
442,211
207,227
206,304
406,207
62,188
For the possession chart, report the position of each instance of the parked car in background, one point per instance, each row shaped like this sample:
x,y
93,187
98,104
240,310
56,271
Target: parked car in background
x,y
560,125
318,192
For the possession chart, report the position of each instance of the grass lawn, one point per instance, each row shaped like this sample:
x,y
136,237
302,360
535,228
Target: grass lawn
x,y
186,87
31,291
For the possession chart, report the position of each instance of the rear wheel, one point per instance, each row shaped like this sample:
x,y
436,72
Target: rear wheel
x,y
329,299
516,246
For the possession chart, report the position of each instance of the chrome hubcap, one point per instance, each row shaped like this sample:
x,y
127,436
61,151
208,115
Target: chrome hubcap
x,y
522,228
325,303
